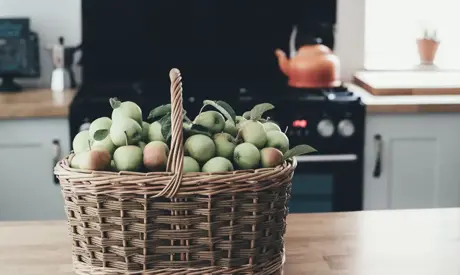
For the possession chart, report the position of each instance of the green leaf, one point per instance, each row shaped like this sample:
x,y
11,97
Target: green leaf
x,y
159,111
165,122
168,137
247,115
198,129
298,150
228,108
114,102
101,134
260,109
220,109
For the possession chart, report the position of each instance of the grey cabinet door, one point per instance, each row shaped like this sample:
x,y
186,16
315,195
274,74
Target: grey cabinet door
x,y
27,187
420,161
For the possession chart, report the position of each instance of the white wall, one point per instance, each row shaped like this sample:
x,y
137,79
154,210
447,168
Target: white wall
x,y
350,36
54,18
50,19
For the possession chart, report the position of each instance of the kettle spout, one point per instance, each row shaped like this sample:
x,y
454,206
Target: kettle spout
x,y
283,61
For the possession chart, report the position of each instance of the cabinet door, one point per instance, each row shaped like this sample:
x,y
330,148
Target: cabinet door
x,y
420,161
27,187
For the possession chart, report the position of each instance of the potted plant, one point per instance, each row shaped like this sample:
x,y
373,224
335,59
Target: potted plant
x,y
427,47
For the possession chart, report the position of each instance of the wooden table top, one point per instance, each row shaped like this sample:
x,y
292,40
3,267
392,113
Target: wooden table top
x,y
399,242
35,103
408,92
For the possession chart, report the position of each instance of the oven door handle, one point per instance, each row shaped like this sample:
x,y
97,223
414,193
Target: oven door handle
x,y
378,158
328,158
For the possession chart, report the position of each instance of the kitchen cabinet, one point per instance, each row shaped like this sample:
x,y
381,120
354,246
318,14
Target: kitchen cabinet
x,y
27,158
419,157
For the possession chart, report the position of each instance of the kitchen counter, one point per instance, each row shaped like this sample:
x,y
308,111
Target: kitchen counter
x,y
409,92
407,103
34,103
398,242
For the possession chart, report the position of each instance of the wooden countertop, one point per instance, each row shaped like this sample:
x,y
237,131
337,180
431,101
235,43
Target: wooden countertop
x,y
388,83
34,103
399,242
407,103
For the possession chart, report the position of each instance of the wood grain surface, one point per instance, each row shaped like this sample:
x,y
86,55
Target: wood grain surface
x,y
409,83
407,103
35,103
398,242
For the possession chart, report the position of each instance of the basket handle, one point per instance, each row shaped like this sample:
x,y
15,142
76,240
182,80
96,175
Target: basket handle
x,y
176,154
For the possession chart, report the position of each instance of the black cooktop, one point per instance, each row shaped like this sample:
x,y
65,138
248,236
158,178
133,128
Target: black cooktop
x,y
159,91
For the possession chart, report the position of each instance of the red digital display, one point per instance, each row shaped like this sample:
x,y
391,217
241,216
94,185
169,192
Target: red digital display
x,y
300,123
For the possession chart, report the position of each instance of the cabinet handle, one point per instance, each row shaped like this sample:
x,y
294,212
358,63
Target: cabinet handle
x,y
378,156
57,151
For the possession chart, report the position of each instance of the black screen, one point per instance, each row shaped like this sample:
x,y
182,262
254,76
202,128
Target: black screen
x,y
140,40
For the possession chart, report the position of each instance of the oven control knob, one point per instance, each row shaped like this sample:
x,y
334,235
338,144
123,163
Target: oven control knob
x,y
84,126
325,128
346,128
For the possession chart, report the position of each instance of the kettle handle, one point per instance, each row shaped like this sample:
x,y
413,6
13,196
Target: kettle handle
x,y
292,38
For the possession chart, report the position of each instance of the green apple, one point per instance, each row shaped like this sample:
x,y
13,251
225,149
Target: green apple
x,y
128,158
155,132
106,144
95,159
246,156
156,156
239,119
271,126
145,131
217,164
128,109
80,142
191,165
230,128
225,145
98,124
270,157
200,147
75,159
212,120
254,132
278,140
125,131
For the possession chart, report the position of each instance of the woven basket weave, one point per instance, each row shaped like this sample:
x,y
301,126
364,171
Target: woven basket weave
x,y
173,223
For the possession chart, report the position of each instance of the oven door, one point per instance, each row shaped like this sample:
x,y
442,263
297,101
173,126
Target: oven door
x,y
327,183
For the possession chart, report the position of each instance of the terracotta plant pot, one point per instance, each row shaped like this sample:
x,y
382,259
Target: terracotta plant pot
x,y
427,49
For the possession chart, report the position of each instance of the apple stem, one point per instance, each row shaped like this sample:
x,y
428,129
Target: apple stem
x,y
187,119
285,131
237,136
202,108
126,138
89,144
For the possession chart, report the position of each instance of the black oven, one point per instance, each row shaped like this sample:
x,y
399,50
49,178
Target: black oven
x,y
332,121
327,183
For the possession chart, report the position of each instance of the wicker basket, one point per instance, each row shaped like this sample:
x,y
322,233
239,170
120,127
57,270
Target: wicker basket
x,y
173,223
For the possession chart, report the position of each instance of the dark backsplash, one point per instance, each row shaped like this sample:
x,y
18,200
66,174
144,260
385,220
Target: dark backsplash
x,y
206,39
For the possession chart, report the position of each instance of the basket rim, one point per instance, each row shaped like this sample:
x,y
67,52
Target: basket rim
x,y
152,183
64,164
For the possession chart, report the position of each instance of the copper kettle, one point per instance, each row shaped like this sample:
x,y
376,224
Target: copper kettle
x,y
313,66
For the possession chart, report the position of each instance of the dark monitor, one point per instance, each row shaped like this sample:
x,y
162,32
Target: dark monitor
x,y
207,40
19,52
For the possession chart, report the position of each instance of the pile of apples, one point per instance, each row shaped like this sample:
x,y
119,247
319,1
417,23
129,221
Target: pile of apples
x,y
215,141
